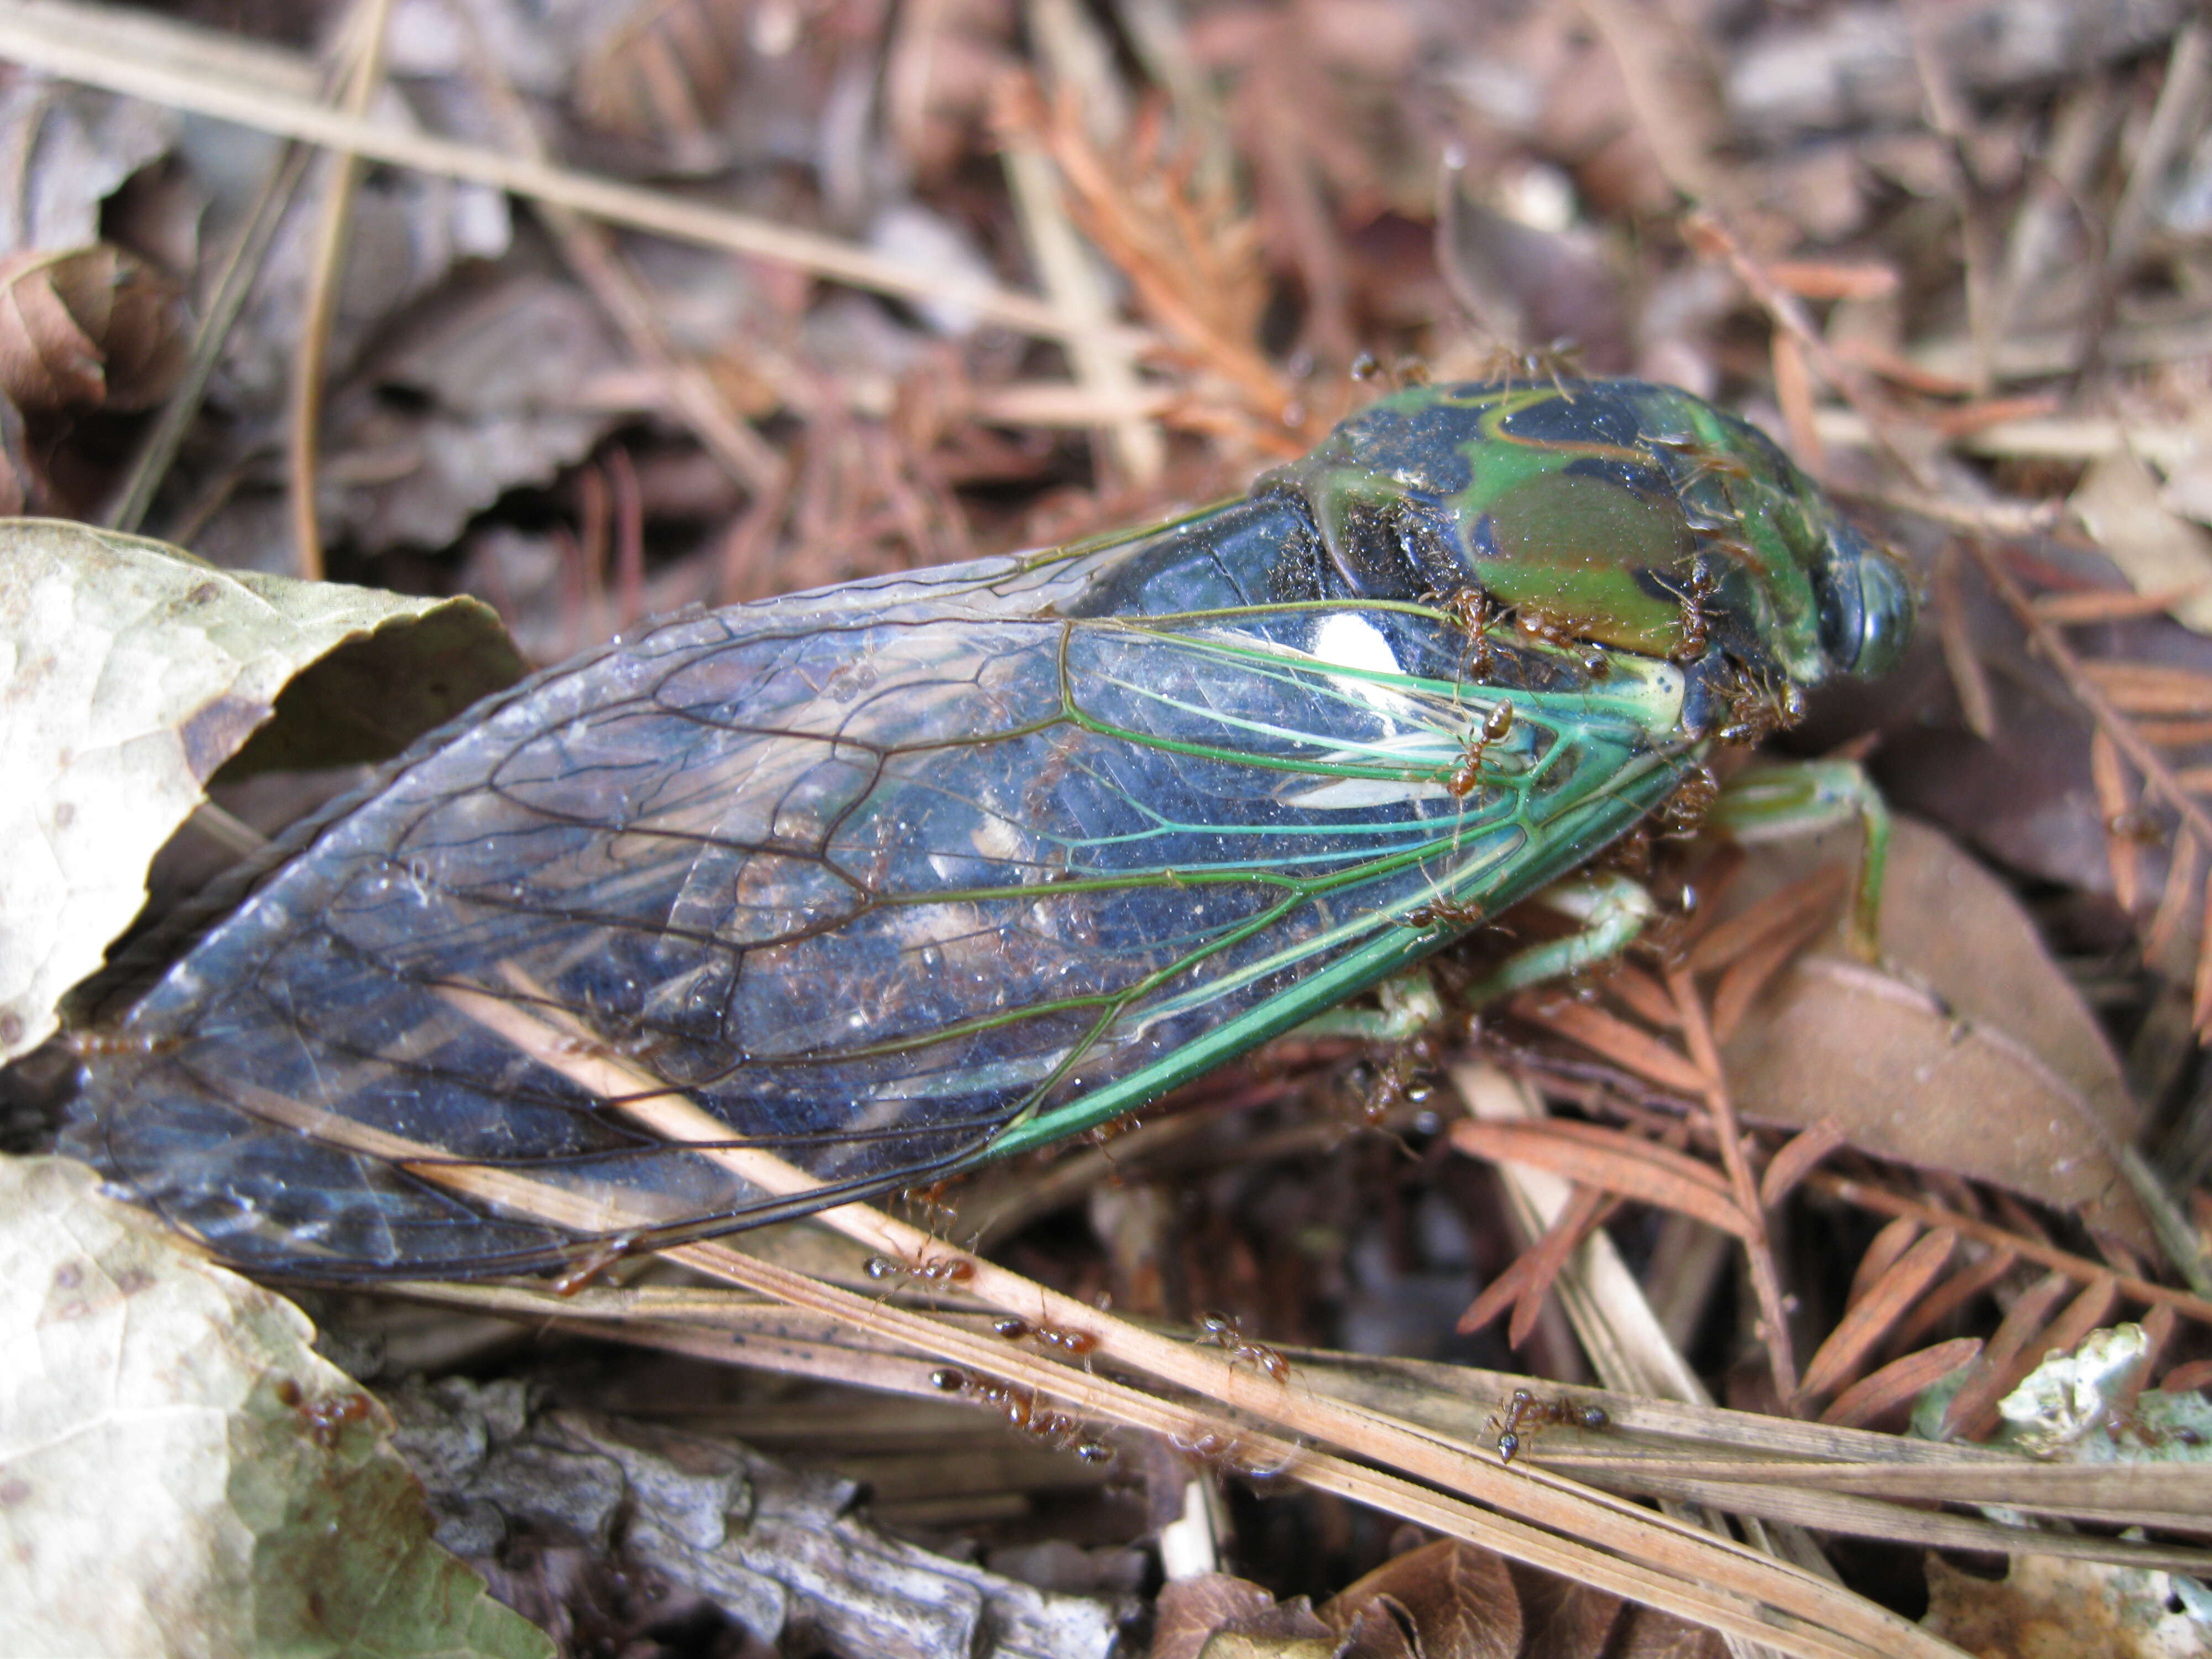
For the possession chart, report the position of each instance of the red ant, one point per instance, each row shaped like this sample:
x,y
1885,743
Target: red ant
x,y
1684,811
1467,776
1023,1412
1550,631
1221,1329
325,1419
935,1270
1474,613
598,1260
1524,1411
1225,1452
1077,1344
1441,913
1757,710
1702,589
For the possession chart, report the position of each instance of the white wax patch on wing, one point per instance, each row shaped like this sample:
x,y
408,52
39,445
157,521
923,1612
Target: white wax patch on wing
x,y
1350,641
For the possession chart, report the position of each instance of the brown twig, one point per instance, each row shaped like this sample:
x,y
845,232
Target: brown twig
x,y
370,18
1766,1281
1711,238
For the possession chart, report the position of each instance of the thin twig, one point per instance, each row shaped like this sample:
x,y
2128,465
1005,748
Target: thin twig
x,y
150,466
78,43
1766,1282
370,24
2158,777
1709,237
1607,1525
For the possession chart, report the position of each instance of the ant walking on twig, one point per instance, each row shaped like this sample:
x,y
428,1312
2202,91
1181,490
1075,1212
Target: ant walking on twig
x,y
1525,1414
1222,1330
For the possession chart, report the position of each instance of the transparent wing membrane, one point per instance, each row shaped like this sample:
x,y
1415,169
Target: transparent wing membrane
x,y
864,893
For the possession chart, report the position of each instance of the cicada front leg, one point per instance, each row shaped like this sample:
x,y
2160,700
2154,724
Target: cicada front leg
x,y
1803,797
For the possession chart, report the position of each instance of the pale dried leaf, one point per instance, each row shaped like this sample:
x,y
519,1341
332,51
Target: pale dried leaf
x,y
183,1473
64,150
134,671
2118,500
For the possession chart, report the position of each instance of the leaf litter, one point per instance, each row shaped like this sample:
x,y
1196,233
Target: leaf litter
x,y
1013,278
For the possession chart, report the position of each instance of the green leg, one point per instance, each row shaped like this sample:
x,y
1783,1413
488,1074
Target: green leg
x,y
1409,1006
1612,910
1802,798
1792,799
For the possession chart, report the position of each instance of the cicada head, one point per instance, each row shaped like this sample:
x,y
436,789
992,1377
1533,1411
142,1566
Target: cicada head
x,y
1629,516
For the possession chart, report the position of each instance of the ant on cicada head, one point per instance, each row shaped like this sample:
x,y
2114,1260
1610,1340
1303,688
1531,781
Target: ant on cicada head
x,y
1023,1412
1525,1414
1558,363
1696,595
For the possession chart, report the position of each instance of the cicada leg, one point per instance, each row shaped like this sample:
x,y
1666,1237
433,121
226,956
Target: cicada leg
x,y
1802,798
1612,910
1409,1006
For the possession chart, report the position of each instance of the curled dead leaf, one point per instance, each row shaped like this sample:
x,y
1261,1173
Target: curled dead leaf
x,y
87,328
1447,1600
1969,1050
135,672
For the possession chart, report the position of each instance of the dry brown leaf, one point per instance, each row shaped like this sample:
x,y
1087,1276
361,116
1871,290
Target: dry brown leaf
x,y
1651,1634
1900,1382
1798,1157
1449,1600
1564,1619
87,328
2047,1607
1871,1317
1971,1052
1190,1610
1627,1046
2146,688
1608,1158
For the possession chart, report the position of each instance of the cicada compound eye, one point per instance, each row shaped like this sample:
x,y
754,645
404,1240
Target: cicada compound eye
x,y
1867,606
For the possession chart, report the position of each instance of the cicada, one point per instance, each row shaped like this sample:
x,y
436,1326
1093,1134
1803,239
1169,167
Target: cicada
x,y
763,909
